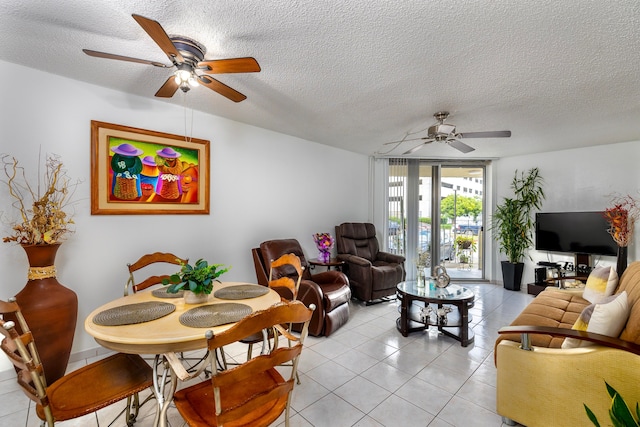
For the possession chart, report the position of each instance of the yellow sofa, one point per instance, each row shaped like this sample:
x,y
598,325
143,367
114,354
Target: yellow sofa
x,y
548,385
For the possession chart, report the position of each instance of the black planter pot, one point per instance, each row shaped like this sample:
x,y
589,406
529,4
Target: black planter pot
x,y
512,275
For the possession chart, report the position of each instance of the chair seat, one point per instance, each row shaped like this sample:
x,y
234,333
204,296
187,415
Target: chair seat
x,y
97,386
196,403
384,276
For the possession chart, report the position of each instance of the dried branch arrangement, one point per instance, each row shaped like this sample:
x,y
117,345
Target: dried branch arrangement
x,y
43,219
622,217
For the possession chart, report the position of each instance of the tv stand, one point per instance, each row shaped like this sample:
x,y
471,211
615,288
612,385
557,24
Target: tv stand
x,y
556,282
583,264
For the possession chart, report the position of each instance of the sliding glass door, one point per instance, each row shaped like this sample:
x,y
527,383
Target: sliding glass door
x,y
436,215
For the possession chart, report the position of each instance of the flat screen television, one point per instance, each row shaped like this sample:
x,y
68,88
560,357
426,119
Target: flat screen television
x,y
575,232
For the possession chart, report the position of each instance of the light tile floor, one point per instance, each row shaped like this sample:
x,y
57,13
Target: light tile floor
x,y
366,374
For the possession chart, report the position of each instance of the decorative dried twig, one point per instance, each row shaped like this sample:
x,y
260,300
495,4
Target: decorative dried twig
x,y
622,217
45,222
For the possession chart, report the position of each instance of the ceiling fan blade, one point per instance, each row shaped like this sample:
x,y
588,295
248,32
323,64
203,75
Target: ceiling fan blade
x,y
416,148
168,89
460,146
424,138
494,134
122,58
221,88
159,35
233,65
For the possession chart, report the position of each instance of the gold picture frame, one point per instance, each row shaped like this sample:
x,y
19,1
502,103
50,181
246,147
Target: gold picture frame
x,y
143,172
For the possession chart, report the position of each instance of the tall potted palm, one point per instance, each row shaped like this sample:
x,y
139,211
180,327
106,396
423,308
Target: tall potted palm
x,y
513,224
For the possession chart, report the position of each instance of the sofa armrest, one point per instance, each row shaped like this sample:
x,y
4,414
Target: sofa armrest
x,y
599,339
389,257
550,386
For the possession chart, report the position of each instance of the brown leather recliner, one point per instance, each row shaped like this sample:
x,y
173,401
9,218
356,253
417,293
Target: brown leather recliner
x,y
328,290
373,274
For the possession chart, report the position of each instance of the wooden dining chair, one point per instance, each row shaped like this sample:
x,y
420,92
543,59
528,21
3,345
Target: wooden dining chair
x,y
134,286
253,393
77,393
291,269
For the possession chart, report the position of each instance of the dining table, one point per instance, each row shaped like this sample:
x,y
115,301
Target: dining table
x,y
155,322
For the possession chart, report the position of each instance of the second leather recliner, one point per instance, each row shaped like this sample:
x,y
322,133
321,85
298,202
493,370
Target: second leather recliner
x,y
373,274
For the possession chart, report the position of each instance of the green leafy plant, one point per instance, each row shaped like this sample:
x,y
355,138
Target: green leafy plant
x,y
198,278
619,412
466,242
513,220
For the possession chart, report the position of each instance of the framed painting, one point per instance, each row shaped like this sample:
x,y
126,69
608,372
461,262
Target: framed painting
x,y
136,171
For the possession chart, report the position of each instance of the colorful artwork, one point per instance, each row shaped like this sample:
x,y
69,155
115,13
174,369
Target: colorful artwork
x,y
147,172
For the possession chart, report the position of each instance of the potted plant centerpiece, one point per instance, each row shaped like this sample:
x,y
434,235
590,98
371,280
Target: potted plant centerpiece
x,y
196,280
49,308
513,224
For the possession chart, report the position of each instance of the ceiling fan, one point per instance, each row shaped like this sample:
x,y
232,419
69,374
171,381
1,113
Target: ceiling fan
x,y
187,56
445,132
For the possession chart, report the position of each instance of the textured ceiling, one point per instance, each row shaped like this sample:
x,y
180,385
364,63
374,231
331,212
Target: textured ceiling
x,y
356,74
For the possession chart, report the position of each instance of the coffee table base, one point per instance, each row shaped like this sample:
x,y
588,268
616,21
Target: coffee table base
x,y
450,331
457,328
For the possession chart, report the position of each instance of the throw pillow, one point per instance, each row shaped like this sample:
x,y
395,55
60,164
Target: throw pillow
x,y
601,283
606,318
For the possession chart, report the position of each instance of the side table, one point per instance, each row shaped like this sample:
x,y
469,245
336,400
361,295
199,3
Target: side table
x,y
333,262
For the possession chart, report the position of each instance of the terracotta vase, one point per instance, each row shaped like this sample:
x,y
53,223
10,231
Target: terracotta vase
x,y
50,309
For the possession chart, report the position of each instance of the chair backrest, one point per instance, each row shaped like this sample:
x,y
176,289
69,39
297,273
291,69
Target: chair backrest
x,y
21,350
261,368
146,260
274,249
287,281
357,238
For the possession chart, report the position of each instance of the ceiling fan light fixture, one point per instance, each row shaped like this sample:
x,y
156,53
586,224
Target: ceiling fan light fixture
x,y
182,75
185,78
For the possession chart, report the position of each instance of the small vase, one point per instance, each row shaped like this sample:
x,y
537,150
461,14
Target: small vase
x,y
324,256
420,279
194,298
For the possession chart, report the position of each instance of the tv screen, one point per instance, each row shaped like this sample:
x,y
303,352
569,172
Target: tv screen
x,y
576,232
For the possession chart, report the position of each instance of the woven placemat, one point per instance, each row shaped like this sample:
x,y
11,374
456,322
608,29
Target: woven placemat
x,y
162,293
245,291
133,313
208,316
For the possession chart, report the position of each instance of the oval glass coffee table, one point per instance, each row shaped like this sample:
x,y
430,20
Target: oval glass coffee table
x,y
418,317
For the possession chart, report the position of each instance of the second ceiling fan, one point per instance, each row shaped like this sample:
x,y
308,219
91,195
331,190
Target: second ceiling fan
x,y
446,132
187,56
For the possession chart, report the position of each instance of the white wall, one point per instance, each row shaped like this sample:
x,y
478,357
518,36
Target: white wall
x,y
574,180
264,185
